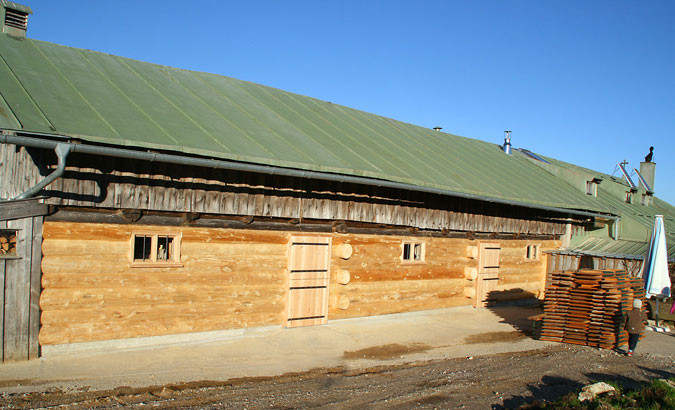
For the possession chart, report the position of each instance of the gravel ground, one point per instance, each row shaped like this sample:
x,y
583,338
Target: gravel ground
x,y
498,381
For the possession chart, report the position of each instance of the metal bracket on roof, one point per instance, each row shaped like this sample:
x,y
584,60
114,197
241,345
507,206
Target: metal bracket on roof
x,y
62,150
622,167
642,181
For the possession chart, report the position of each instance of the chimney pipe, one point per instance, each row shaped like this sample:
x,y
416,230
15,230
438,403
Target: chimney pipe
x,y
437,128
507,142
647,170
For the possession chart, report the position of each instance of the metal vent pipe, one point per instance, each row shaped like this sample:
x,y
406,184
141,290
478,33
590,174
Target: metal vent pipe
x,y
507,142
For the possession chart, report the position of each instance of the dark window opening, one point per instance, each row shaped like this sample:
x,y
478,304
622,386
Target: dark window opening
x,y
142,248
406,251
532,252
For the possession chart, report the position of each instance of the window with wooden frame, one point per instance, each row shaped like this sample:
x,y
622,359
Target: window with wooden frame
x,y
592,187
629,197
8,243
155,249
532,252
412,252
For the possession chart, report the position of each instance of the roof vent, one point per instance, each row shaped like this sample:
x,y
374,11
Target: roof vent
x,y
14,18
437,128
507,142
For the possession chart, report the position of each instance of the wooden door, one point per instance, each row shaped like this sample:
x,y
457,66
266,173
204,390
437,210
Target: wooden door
x,y
309,272
488,272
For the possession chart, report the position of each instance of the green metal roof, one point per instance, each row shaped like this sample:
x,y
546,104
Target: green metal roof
x,y
96,97
607,247
637,220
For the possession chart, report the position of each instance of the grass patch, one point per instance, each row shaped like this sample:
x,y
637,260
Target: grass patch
x,y
658,394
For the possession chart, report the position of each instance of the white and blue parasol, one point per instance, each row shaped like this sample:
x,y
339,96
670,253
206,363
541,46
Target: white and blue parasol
x,y
655,267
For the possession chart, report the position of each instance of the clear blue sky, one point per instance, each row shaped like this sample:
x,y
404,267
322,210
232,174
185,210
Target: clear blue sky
x,y
588,82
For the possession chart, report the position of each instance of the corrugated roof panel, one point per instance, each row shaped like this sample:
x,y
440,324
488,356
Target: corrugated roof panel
x,y
324,132
292,114
27,112
46,85
263,125
607,247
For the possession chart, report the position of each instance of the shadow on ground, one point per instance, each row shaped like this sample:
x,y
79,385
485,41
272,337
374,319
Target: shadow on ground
x,y
503,305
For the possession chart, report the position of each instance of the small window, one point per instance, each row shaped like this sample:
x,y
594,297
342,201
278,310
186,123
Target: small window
x,y
629,197
8,243
156,249
592,188
646,199
413,252
532,253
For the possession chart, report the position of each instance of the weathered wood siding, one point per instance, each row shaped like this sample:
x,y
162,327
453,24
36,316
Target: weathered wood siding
x,y
20,290
104,182
560,261
235,278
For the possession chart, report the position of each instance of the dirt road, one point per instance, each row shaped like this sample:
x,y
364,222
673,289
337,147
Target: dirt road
x,y
505,380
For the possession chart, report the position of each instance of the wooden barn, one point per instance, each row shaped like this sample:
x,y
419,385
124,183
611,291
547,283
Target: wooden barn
x,y
141,200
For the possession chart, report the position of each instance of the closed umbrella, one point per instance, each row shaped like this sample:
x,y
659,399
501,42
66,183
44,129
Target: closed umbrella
x,y
655,266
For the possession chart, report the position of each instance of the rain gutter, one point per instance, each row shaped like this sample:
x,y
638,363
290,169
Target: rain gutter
x,y
273,170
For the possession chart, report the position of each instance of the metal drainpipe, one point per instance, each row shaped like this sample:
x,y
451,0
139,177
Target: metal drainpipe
x,y
62,150
272,170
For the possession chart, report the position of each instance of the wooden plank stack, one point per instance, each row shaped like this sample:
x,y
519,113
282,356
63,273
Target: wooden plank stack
x,y
587,307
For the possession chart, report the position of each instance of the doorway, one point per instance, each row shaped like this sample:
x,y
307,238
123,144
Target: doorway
x,y
309,272
488,273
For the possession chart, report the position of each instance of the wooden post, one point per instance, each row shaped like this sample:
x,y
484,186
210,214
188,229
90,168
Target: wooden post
x,y
3,224
35,288
17,293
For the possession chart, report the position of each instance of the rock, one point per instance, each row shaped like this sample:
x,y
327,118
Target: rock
x,y
589,392
668,382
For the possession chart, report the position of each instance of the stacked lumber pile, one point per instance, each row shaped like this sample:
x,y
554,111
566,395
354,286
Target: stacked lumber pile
x,y
587,307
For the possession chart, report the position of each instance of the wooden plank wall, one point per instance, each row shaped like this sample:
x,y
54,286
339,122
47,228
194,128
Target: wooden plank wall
x,y
19,293
239,278
104,182
559,262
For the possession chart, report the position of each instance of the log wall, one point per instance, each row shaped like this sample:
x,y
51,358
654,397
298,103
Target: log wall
x,y
236,278
227,280
381,284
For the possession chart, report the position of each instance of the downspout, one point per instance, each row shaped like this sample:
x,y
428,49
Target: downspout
x,y
62,150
